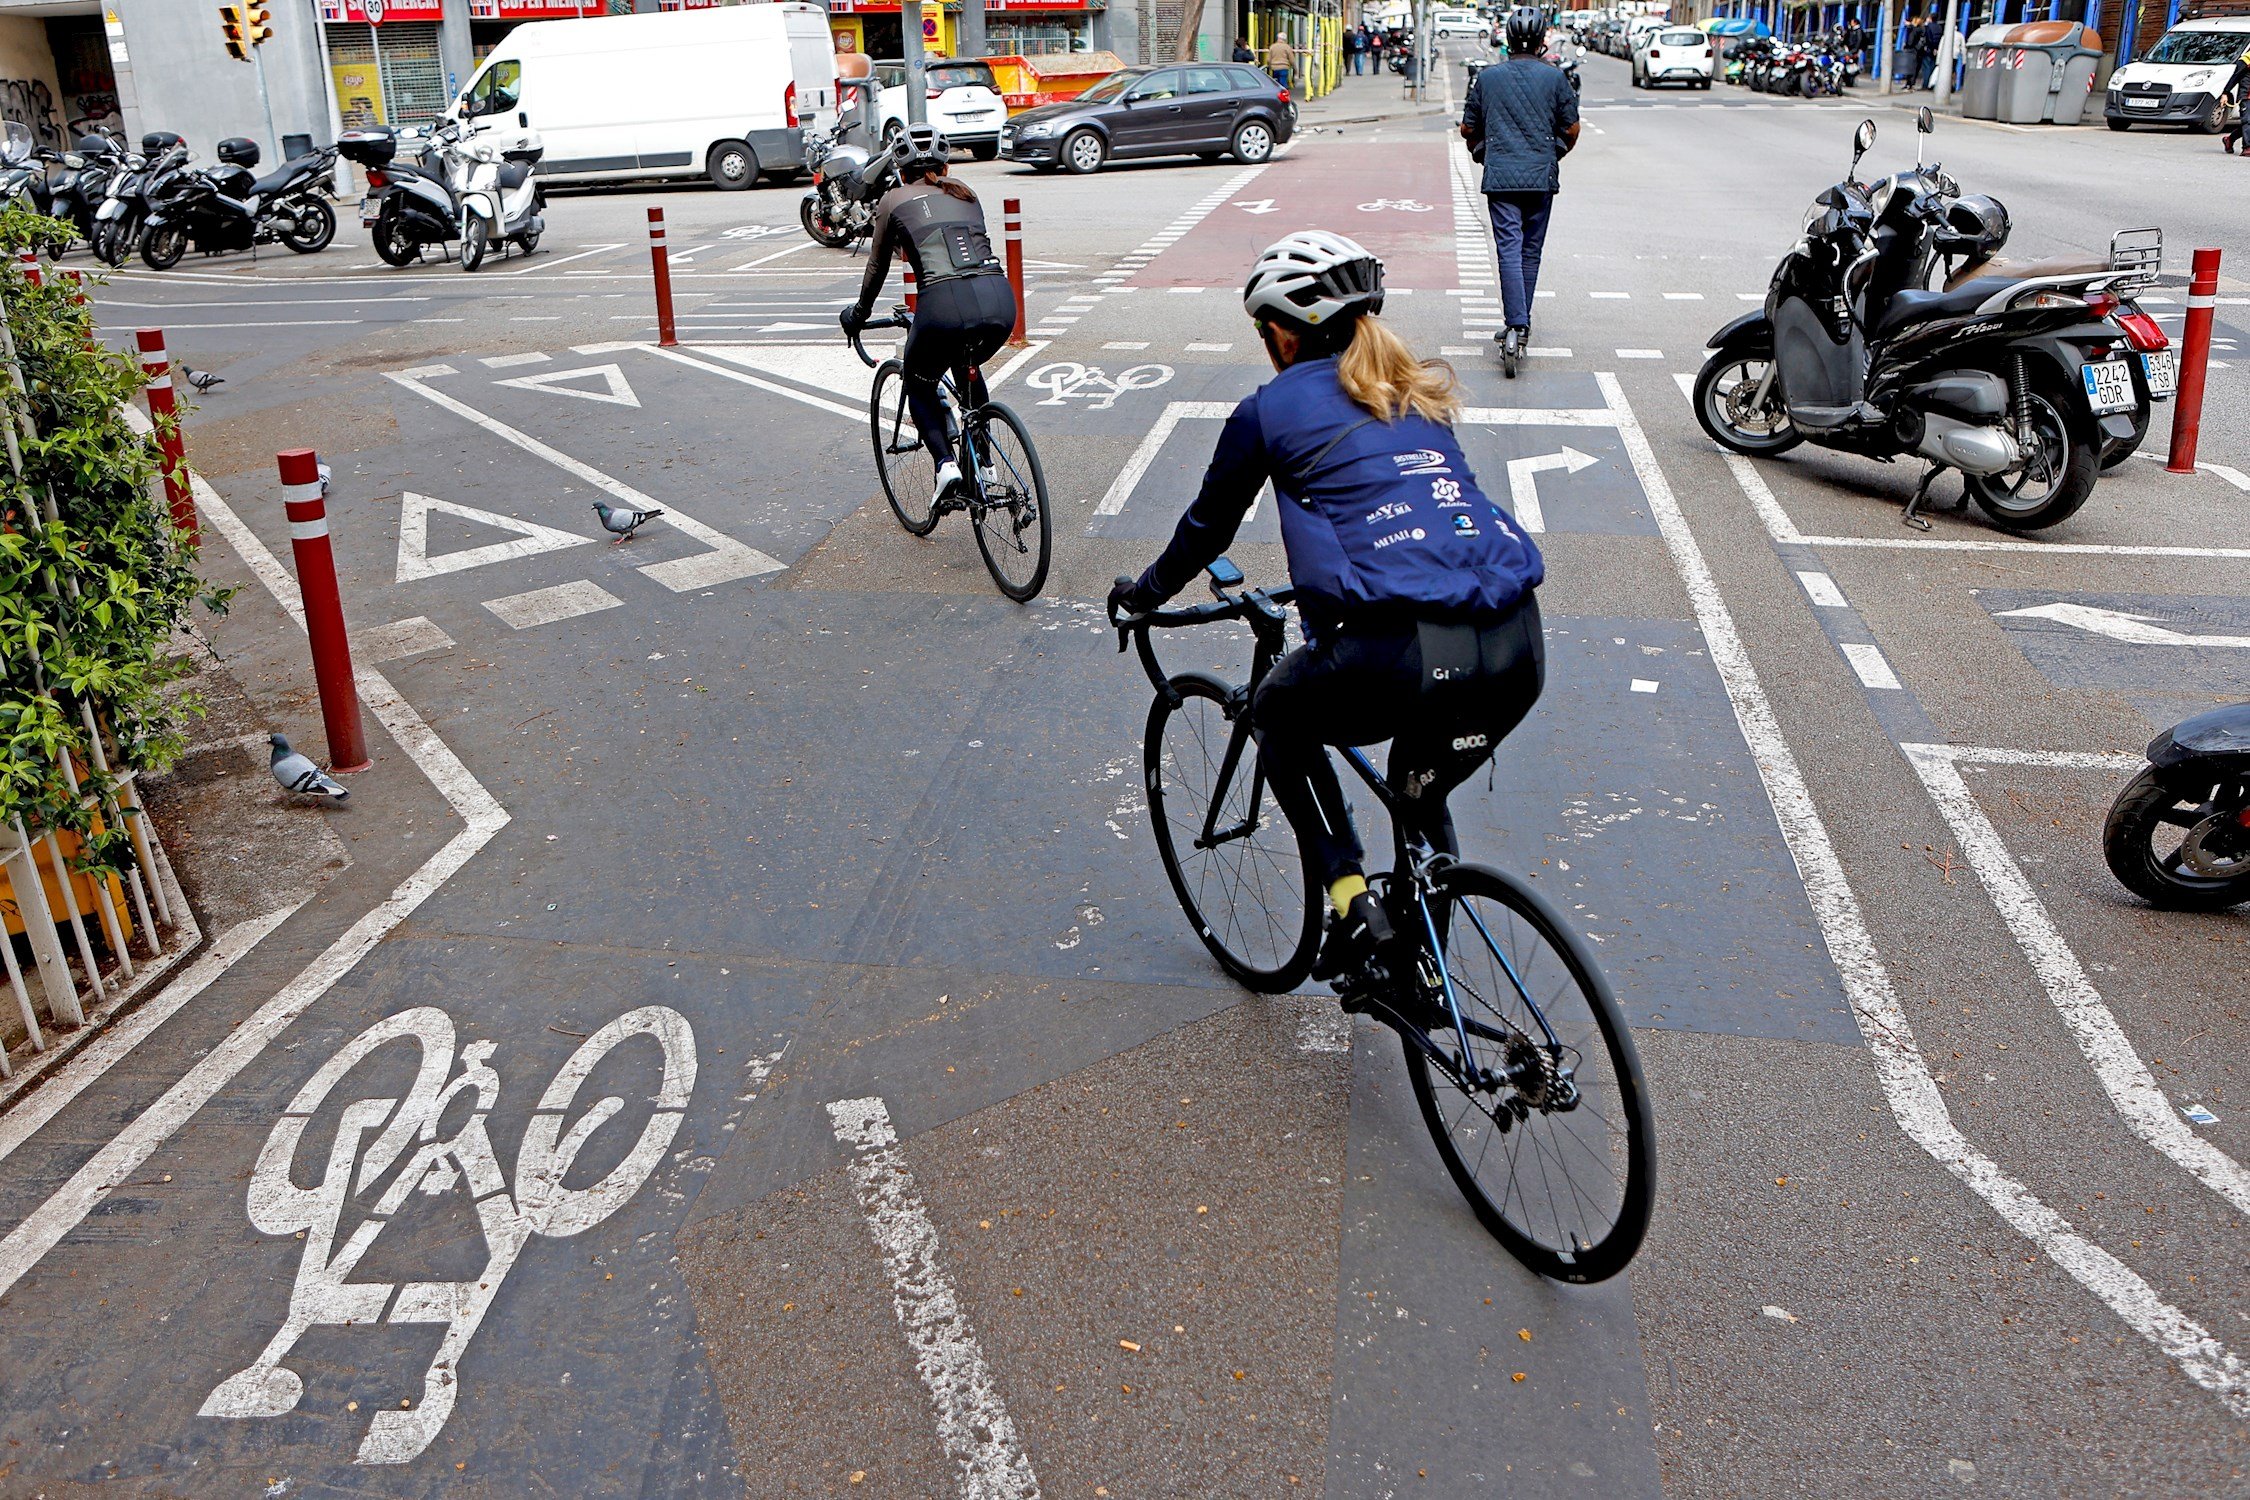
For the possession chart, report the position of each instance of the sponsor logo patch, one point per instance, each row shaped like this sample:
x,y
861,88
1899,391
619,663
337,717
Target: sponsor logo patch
x,y
1421,461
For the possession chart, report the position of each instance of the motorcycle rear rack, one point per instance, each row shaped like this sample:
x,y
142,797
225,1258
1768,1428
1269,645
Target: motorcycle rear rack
x,y
2138,253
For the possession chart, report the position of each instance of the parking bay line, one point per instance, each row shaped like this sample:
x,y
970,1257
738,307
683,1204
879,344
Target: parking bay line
x,y
1904,1075
482,817
728,559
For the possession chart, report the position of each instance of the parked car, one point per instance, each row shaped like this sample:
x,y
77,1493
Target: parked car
x,y
1673,54
1205,109
964,104
1447,23
724,93
2180,80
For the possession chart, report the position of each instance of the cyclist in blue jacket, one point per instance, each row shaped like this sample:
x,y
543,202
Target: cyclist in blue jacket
x,y
1415,588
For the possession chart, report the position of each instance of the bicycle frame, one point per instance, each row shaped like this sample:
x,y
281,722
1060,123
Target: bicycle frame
x,y
970,423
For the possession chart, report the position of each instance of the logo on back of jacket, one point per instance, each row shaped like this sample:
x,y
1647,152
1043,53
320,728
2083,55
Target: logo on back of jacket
x,y
1421,461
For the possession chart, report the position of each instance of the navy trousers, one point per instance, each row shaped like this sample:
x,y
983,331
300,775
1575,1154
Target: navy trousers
x,y
1519,233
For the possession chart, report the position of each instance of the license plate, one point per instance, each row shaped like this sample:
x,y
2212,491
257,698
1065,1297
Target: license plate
x,y
2109,386
369,211
2140,103
2163,368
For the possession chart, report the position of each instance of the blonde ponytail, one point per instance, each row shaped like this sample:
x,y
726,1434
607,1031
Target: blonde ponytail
x,y
1382,375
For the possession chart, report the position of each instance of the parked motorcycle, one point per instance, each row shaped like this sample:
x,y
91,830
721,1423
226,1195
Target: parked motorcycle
x,y
838,210
409,202
499,194
2016,382
124,209
227,207
2178,836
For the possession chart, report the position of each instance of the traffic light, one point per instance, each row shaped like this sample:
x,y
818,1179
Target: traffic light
x,y
230,21
257,25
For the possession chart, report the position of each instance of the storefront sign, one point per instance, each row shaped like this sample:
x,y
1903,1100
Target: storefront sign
x,y
535,10
376,12
891,7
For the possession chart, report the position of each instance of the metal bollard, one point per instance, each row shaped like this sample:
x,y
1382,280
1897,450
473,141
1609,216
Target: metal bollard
x,y
164,411
303,495
913,299
660,262
2195,357
1011,220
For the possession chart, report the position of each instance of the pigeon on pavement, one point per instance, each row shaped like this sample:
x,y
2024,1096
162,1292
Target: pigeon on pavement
x,y
621,521
202,380
296,772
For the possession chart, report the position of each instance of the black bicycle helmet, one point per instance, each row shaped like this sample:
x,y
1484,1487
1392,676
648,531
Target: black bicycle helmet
x,y
1527,31
919,147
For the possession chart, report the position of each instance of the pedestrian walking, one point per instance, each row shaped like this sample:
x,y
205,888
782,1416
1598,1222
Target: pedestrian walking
x,y
1242,52
1932,38
2236,94
1910,47
1280,58
1520,121
1354,40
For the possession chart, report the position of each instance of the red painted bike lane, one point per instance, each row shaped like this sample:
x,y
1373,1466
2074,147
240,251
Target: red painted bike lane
x,y
1395,198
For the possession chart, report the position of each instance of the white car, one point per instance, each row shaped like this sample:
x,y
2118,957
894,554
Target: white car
x,y
1458,23
2179,80
1673,54
964,103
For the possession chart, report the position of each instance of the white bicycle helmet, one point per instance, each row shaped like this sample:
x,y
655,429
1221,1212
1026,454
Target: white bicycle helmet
x,y
1313,278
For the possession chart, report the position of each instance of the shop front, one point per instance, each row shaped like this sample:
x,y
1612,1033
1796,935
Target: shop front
x,y
1314,30
1011,27
386,62
490,20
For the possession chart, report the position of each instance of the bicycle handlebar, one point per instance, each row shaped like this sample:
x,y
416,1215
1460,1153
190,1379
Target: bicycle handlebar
x,y
1260,606
899,318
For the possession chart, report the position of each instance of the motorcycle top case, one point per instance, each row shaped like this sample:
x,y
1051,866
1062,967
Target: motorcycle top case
x,y
238,151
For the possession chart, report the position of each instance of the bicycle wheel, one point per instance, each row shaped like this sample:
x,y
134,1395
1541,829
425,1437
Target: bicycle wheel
x,y
909,472
1556,1154
1248,890
1015,532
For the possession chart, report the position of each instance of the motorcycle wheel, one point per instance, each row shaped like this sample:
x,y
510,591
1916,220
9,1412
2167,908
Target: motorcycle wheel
x,y
472,245
316,238
529,240
1727,423
2118,450
162,247
2149,816
2050,487
112,242
393,246
819,228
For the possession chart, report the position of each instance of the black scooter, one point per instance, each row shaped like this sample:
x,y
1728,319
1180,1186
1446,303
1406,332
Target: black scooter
x,y
2179,834
118,222
227,207
2018,383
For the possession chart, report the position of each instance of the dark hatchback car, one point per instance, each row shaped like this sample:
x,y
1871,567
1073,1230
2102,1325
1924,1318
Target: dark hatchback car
x,y
1194,109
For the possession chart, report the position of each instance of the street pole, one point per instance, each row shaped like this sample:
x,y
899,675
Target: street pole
x,y
1948,47
1883,48
340,178
910,36
258,56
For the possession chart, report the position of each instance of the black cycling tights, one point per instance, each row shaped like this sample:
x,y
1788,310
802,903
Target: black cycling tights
x,y
960,323
1444,695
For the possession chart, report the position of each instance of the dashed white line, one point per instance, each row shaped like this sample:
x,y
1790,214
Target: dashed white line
x,y
1821,590
564,601
1869,666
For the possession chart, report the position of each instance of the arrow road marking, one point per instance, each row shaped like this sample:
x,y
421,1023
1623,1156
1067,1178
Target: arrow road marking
x,y
1523,486
1255,205
2134,630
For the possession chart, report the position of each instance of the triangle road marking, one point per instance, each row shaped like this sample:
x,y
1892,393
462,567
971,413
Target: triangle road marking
x,y
414,560
614,392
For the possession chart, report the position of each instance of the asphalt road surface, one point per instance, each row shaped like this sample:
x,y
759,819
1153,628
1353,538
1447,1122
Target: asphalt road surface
x,y
939,1158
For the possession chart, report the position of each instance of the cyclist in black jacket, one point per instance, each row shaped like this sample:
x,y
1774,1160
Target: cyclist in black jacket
x,y
967,308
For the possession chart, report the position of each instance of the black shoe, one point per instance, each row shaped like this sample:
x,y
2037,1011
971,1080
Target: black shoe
x,y
1349,956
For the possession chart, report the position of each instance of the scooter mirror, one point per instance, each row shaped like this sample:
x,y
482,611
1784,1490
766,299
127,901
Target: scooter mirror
x,y
1863,140
1923,121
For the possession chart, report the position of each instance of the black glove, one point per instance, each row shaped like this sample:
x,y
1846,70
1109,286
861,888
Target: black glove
x,y
1126,598
852,319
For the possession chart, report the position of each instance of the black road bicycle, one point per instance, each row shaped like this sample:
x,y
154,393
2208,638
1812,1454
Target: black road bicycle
x,y
1002,486
1524,1071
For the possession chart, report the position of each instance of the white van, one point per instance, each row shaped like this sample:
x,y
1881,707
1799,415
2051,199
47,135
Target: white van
x,y
725,93
2182,79
1458,23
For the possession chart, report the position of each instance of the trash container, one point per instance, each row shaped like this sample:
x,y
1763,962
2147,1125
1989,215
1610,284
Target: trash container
x,y
2042,64
1980,72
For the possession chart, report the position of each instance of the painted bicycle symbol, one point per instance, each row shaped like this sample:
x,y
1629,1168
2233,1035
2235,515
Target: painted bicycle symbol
x,y
1402,205
372,1136
753,231
1071,381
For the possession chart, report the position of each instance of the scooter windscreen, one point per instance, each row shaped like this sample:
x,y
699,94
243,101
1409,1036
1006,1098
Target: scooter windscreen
x,y
15,143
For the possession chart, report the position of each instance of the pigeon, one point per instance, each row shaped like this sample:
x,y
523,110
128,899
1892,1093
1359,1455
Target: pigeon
x,y
621,521
202,380
296,772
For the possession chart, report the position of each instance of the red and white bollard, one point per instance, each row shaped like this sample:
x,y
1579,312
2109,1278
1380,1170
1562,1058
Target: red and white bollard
x,y
306,501
913,298
2195,357
27,261
78,298
660,262
164,411
1011,233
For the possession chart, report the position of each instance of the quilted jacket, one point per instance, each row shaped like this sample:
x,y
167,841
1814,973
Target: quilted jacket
x,y
1521,107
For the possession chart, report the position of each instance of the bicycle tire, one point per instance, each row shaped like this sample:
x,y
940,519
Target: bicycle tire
x,y
1182,754
908,472
1611,1088
1004,533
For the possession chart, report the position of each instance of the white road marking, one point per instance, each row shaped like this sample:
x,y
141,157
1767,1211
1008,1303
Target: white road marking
x,y
509,361
973,1424
1125,344
564,601
1869,666
614,392
1187,291
1821,590
415,562
1121,488
830,367
1611,296
1523,482
1209,348
284,323
270,303
97,1057
1683,296
2134,630
2132,1089
549,265
482,817
402,638
1640,354
1912,1093
1644,685
728,559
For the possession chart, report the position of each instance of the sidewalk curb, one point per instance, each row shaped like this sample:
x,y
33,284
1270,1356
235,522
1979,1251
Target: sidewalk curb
x,y
1418,113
